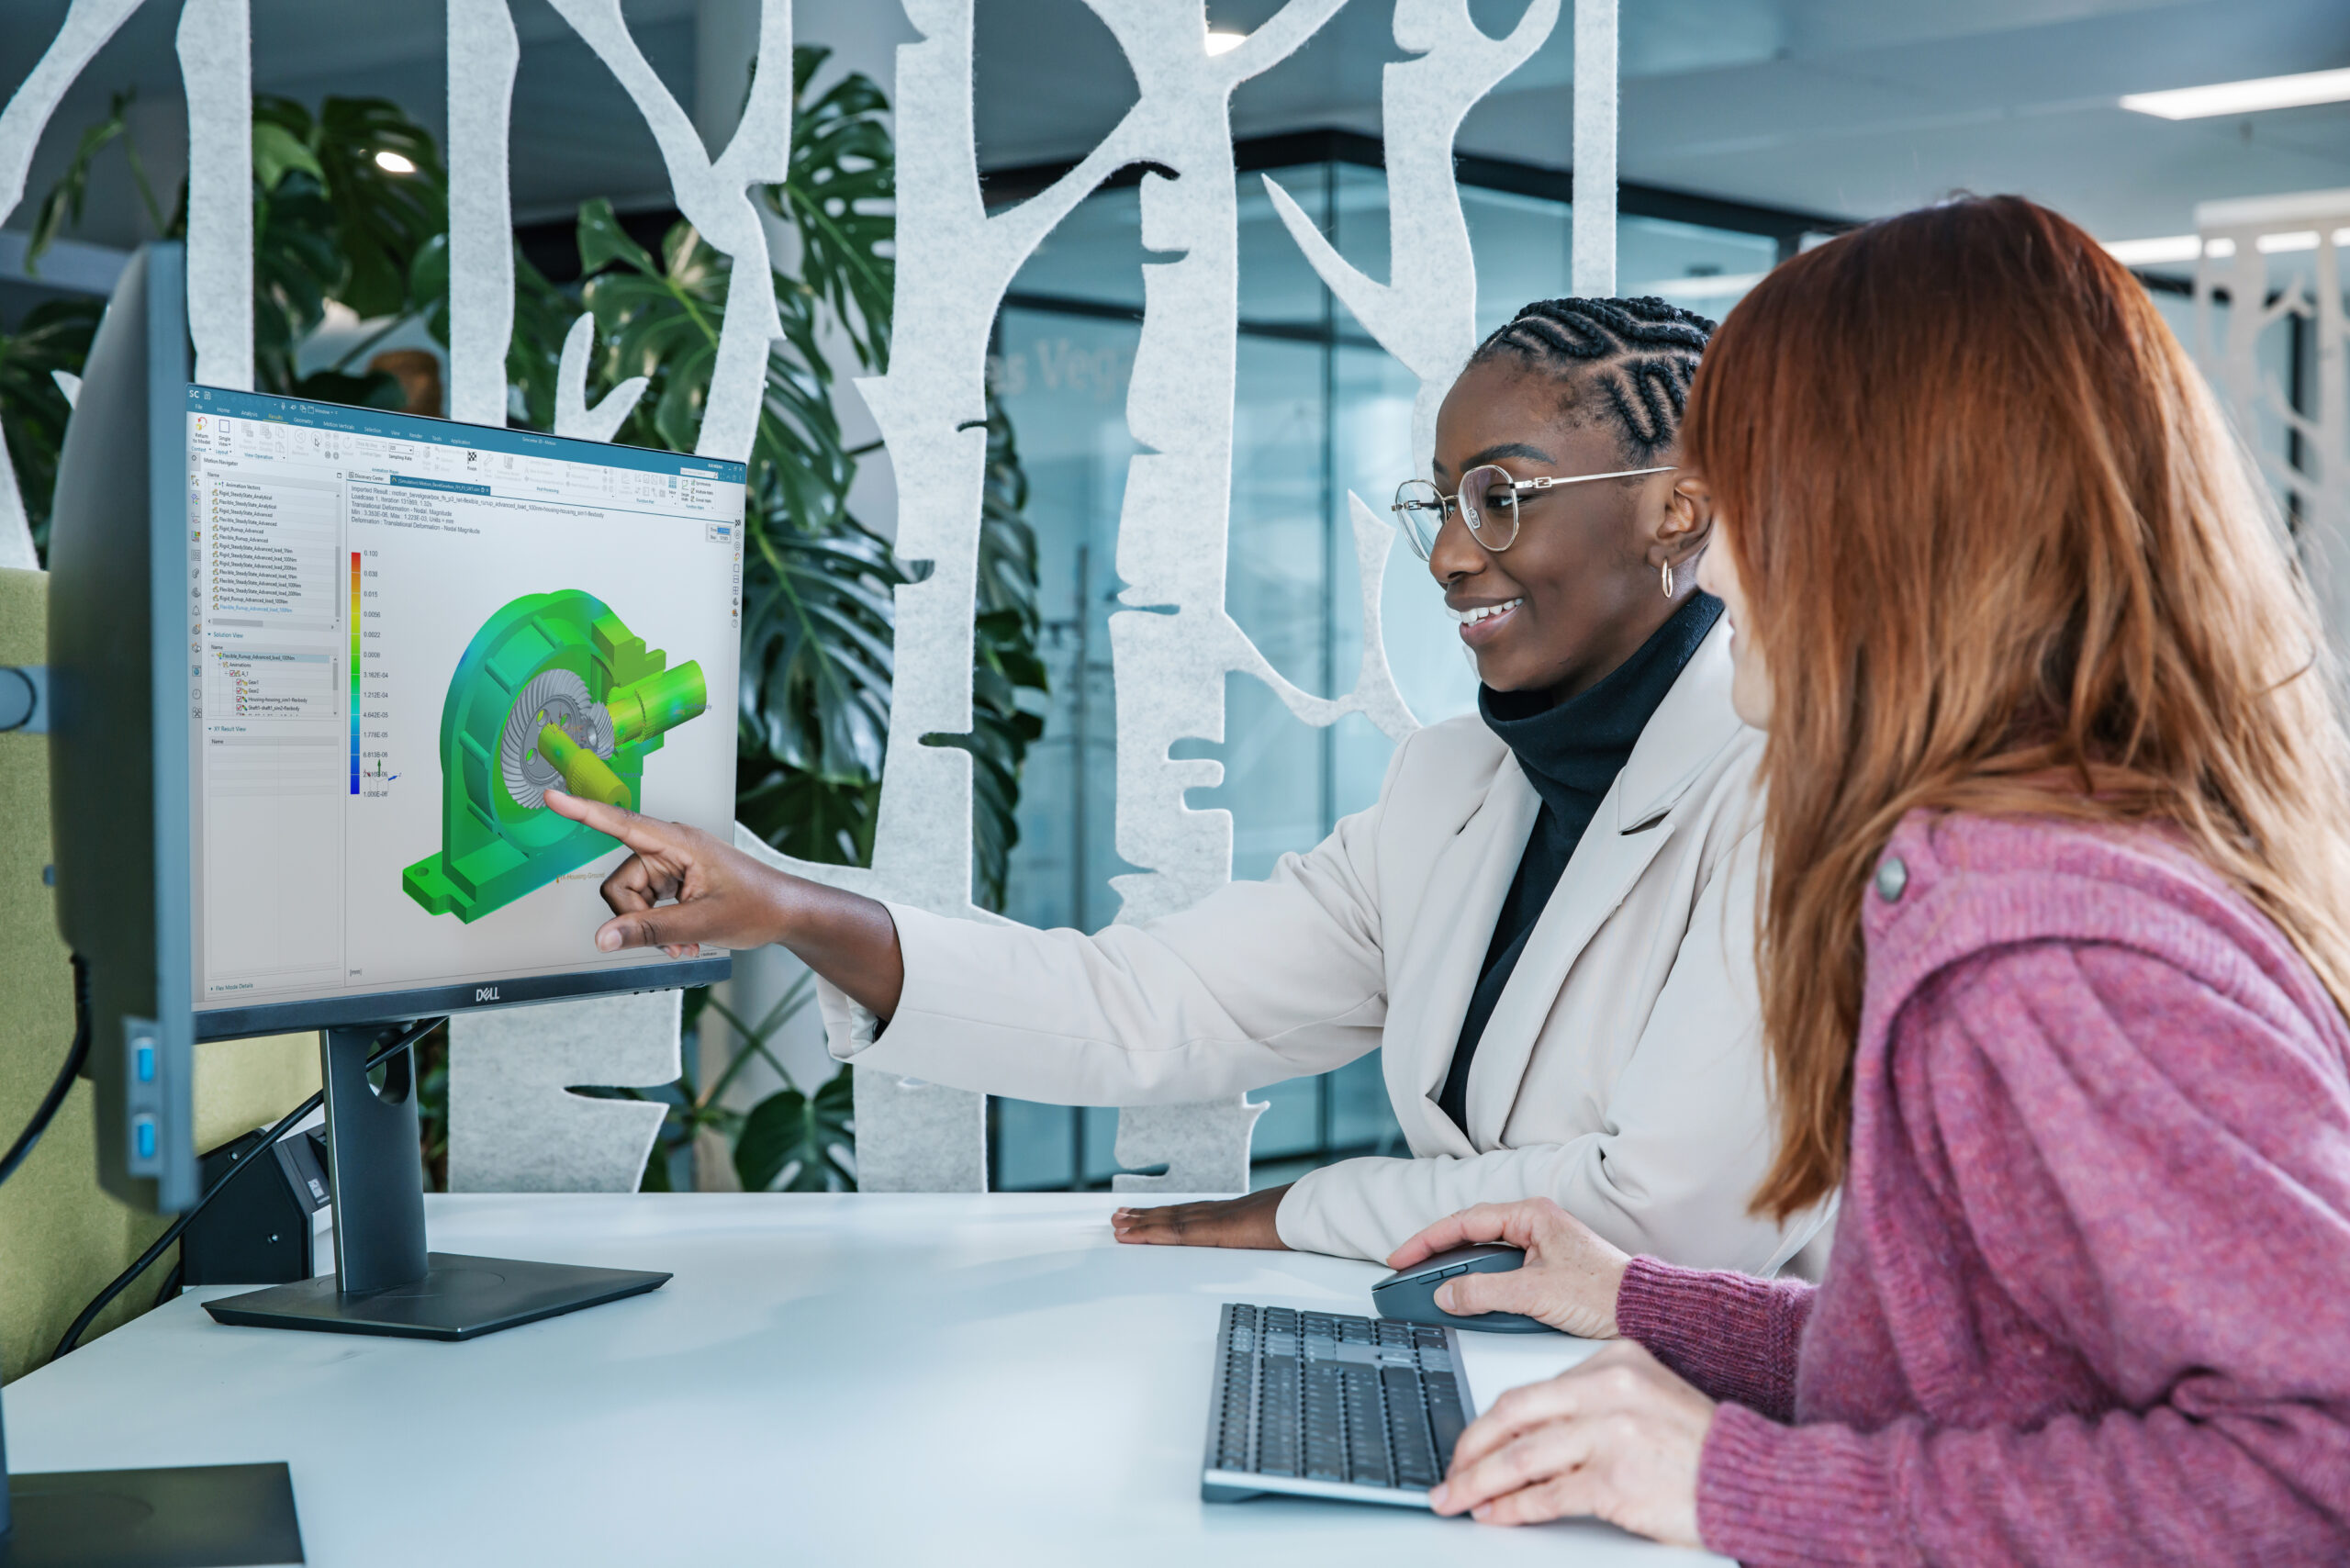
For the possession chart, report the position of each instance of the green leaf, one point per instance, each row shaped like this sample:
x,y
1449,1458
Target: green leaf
x,y
428,286
278,150
602,242
806,816
380,219
332,224
54,335
798,1138
543,315
655,1178
61,205
817,661
837,194
1006,663
297,269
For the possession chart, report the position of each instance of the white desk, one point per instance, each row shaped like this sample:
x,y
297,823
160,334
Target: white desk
x,y
828,1380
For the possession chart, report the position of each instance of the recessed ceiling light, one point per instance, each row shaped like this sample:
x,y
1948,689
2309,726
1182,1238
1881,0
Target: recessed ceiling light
x,y
2156,251
2304,239
1225,43
394,163
2244,98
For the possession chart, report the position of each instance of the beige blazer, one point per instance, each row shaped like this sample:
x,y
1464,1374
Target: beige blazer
x,y
1621,1071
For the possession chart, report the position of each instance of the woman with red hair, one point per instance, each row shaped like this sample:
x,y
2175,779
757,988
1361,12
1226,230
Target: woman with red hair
x,y
2052,961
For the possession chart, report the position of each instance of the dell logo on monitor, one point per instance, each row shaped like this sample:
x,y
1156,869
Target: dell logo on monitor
x,y
485,993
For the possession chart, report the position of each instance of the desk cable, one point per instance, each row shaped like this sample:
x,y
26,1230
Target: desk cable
x,y
407,1037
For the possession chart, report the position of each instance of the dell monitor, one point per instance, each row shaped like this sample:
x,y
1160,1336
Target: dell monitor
x,y
312,670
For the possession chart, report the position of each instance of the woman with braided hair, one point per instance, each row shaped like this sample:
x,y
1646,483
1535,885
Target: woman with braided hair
x,y
1545,923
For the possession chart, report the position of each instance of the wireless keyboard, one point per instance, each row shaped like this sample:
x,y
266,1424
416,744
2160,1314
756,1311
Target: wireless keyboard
x,y
1319,1405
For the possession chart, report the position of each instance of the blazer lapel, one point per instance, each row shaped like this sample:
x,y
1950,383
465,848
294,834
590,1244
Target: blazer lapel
x,y
1688,729
1452,929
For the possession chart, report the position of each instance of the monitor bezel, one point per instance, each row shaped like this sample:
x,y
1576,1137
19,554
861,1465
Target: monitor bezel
x,y
432,1001
486,995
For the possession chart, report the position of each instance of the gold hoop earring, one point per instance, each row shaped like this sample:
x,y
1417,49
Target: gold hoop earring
x,y
1668,579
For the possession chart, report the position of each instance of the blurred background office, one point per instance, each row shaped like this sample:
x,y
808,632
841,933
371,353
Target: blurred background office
x,y
1749,129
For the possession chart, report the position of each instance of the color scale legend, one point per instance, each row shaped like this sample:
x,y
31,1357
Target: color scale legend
x,y
354,672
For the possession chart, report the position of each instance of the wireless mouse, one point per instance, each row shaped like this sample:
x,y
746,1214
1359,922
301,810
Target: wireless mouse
x,y
1408,1295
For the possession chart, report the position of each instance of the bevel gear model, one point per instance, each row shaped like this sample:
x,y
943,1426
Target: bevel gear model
x,y
553,692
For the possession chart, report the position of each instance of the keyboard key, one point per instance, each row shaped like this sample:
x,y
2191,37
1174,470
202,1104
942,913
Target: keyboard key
x,y
1367,1463
1326,1423
1445,1419
1407,1428
1277,1447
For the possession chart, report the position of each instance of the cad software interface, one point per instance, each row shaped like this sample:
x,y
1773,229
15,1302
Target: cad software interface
x,y
406,632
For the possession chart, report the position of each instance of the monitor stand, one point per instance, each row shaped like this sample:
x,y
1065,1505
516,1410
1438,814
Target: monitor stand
x,y
384,1281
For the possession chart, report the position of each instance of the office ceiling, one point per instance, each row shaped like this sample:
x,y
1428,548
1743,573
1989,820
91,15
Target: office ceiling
x,y
1849,107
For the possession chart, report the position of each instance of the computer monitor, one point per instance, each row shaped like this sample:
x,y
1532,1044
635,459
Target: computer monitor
x,y
401,632
312,669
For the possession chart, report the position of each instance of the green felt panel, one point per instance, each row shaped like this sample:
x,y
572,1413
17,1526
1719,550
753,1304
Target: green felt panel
x,y
62,1236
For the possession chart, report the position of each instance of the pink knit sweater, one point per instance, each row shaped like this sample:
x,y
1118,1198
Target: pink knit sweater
x,y
2089,1297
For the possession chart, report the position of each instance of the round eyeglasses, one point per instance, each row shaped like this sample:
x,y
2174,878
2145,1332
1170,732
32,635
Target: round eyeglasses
x,y
1488,501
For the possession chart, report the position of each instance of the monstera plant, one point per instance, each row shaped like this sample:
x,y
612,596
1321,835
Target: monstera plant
x,y
329,224
332,224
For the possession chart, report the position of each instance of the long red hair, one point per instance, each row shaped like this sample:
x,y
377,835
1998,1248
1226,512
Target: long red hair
x,y
2001,556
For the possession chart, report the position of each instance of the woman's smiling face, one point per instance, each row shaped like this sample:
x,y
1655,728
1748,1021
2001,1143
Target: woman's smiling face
x,y
1580,589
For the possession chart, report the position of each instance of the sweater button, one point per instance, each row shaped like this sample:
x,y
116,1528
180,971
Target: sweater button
x,y
1892,875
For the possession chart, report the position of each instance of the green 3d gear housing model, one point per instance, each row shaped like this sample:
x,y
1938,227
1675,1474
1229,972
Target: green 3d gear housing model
x,y
553,692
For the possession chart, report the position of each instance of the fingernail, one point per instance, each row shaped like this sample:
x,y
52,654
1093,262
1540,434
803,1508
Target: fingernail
x,y
1444,1296
1439,1496
608,940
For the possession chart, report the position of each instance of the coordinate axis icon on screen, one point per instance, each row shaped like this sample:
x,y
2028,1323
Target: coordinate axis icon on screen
x,y
553,692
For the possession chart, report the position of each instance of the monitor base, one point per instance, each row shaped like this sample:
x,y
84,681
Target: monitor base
x,y
458,1298
210,1515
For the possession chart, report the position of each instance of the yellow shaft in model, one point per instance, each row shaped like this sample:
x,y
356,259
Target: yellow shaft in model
x,y
584,773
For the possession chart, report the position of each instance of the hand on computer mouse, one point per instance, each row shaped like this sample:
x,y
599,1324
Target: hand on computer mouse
x,y
1569,1279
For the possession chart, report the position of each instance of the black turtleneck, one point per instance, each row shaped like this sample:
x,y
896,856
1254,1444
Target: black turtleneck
x,y
1570,753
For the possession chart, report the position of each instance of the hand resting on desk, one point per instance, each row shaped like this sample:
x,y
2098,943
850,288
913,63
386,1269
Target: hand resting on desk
x,y
1229,1222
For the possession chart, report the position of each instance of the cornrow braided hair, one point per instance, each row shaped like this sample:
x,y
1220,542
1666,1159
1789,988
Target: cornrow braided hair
x,y
1639,355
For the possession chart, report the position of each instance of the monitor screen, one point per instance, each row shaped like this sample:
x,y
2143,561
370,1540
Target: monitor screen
x,y
403,631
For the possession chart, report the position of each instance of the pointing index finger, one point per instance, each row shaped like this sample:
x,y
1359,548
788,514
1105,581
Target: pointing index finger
x,y
641,834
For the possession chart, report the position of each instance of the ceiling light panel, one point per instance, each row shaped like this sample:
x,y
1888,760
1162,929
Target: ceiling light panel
x,y
2244,98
